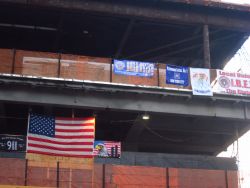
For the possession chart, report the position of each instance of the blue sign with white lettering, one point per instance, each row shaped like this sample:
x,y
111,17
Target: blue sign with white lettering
x,y
133,68
177,75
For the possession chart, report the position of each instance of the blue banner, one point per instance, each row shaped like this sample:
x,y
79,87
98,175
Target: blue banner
x,y
133,68
177,75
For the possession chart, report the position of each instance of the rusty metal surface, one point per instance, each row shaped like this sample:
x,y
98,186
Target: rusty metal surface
x,y
233,22
206,3
214,4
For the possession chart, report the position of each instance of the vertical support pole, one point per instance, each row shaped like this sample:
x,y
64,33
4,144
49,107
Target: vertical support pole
x,y
73,113
167,178
59,65
237,142
158,74
206,47
226,179
57,175
26,172
245,111
110,72
13,61
103,175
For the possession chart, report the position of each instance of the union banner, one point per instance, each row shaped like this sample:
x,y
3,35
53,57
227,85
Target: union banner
x,y
232,83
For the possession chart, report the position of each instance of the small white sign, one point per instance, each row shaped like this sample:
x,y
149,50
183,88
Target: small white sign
x,y
200,81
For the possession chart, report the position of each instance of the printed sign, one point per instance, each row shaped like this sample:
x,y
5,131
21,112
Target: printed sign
x,y
107,149
232,83
12,143
134,68
177,75
200,81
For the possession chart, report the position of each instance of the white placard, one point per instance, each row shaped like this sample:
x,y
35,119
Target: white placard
x,y
200,81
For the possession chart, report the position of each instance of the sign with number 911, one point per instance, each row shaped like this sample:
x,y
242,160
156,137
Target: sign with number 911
x,y
12,143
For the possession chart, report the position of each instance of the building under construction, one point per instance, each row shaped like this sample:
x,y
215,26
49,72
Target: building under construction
x,y
57,59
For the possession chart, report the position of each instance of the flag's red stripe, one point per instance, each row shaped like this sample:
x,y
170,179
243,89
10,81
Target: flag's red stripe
x,y
74,130
74,119
61,143
64,155
78,124
60,149
76,137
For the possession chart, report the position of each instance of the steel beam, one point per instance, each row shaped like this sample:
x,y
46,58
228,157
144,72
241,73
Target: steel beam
x,y
230,21
120,101
124,38
184,148
206,47
198,132
192,47
82,94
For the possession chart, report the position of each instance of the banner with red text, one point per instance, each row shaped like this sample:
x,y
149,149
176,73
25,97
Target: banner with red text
x,y
232,83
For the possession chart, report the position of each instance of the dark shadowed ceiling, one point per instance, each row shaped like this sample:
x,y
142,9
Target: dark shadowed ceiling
x,y
161,134
78,32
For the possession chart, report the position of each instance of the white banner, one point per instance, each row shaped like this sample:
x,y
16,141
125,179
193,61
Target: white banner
x,y
200,81
232,83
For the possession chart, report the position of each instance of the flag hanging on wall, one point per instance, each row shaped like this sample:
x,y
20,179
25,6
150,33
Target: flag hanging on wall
x,y
107,149
134,68
177,75
60,137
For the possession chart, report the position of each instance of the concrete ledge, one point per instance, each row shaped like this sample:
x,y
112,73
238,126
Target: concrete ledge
x,y
159,160
172,161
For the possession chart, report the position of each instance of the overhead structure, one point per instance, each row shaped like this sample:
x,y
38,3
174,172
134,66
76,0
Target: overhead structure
x,y
160,31
194,34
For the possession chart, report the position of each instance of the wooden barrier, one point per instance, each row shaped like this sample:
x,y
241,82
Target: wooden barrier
x,y
36,63
44,64
13,174
85,68
6,61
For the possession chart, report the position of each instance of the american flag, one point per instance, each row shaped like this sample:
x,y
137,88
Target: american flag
x,y
68,137
109,149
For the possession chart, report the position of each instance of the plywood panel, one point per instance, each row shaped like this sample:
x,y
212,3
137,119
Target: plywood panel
x,y
85,68
12,171
36,63
6,60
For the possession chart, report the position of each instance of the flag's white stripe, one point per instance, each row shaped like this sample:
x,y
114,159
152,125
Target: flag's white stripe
x,y
80,122
60,152
74,127
59,145
74,134
112,145
62,139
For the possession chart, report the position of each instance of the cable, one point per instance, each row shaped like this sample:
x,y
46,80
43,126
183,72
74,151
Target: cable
x,y
121,121
9,117
162,137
